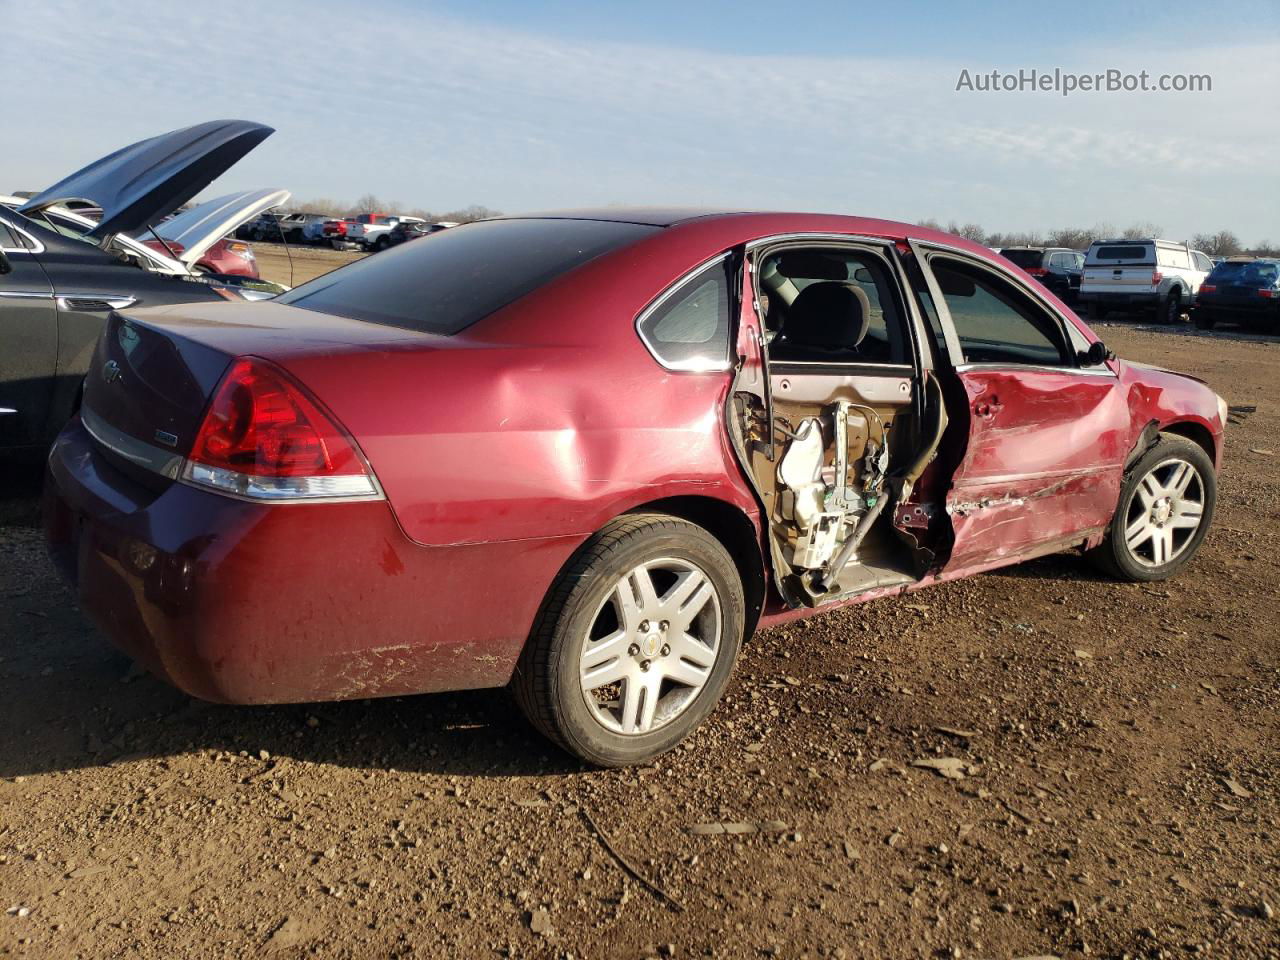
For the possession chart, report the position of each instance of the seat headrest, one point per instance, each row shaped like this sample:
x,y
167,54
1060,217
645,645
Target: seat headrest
x,y
828,314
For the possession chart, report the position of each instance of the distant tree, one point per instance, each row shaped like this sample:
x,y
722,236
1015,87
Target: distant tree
x,y
1077,238
1142,231
474,212
1224,243
368,204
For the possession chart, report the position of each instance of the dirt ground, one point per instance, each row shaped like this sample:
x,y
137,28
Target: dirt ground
x,y
294,264
1117,791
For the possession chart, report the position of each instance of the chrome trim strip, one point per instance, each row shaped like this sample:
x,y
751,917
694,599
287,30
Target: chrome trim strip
x,y
660,299
66,301
164,462
6,410
844,237
1020,367
1036,475
37,246
25,295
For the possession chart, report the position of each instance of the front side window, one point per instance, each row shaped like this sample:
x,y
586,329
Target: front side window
x,y
689,328
994,321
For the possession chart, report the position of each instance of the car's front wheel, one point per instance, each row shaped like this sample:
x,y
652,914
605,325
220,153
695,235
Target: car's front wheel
x,y
636,642
1166,506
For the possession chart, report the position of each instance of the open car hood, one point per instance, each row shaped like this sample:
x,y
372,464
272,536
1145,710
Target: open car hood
x,y
199,228
138,184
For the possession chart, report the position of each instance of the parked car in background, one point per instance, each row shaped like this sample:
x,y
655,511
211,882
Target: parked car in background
x,y
313,232
259,227
197,236
1058,268
1156,277
1244,290
579,408
335,232
293,226
61,274
411,229
372,230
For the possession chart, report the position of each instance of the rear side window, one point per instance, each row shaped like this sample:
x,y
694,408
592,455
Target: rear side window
x,y
689,328
462,275
8,239
1135,251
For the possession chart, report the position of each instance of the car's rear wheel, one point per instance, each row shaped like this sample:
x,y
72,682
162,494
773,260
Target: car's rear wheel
x,y
1173,308
1095,310
1204,321
381,243
635,643
1166,506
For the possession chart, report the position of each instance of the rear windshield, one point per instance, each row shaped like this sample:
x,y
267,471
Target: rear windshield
x,y
447,282
1024,258
1261,273
1127,251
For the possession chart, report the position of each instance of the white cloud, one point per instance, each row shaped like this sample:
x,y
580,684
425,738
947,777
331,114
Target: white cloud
x,y
440,113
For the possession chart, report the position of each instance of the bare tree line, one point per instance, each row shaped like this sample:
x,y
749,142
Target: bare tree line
x,y
371,204
1223,243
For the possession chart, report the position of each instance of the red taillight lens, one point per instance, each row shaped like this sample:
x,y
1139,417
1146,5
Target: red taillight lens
x,y
1208,288
1269,294
265,438
1037,271
1156,277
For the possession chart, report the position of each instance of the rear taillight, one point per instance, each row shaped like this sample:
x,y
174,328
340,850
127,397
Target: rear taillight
x,y
1268,293
1037,271
1208,288
1156,277
264,438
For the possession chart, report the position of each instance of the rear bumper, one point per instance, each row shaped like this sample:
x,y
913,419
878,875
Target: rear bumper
x,y
1260,310
239,602
1108,299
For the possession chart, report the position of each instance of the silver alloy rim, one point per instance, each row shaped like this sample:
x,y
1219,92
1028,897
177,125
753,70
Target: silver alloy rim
x,y
651,647
1166,511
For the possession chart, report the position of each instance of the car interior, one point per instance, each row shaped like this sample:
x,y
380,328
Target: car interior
x,y
851,423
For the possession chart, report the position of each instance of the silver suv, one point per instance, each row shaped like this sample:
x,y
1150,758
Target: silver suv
x,y
1157,277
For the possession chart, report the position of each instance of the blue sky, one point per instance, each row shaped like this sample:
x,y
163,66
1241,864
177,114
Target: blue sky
x,y
845,107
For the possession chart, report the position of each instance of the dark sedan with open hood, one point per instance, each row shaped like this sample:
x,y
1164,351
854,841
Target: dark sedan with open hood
x,y
60,275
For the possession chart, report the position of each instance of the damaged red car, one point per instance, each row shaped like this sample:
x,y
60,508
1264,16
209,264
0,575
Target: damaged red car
x,y
588,454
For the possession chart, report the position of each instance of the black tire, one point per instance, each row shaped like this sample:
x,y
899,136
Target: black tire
x,y
1203,320
381,243
1114,556
1095,311
547,685
1171,309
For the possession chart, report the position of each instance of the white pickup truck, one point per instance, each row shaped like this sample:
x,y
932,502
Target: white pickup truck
x,y
371,230
1150,276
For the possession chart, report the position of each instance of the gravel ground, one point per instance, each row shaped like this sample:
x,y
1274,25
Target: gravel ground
x,y
1033,762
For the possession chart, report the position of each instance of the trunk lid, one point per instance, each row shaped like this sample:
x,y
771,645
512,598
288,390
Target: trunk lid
x,y
192,232
138,184
155,370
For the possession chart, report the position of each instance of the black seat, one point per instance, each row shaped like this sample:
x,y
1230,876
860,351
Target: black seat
x,y
828,321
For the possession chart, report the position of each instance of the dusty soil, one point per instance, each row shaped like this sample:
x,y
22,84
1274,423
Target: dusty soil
x,y
295,264
1118,749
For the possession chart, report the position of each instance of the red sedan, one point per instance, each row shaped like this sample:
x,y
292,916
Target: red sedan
x,y
589,454
226,256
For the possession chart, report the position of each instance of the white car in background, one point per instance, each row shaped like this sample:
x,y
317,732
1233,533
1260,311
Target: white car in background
x,y
376,236
1158,277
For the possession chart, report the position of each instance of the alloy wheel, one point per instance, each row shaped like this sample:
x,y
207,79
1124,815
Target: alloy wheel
x,y
1166,511
651,647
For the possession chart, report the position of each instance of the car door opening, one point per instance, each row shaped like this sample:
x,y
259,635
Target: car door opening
x,y
849,425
